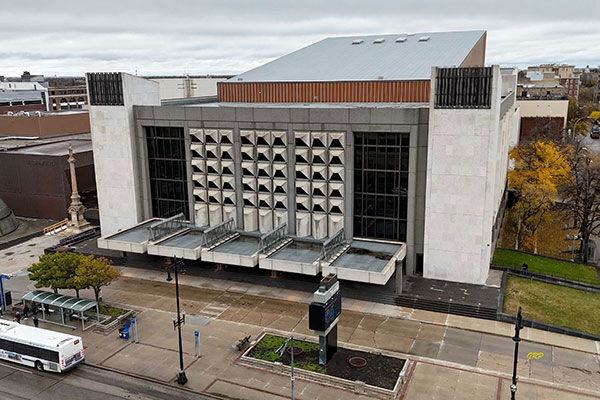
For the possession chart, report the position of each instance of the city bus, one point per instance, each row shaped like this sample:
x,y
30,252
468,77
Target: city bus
x,y
40,348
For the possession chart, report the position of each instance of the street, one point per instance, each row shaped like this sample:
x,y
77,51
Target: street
x,y
83,382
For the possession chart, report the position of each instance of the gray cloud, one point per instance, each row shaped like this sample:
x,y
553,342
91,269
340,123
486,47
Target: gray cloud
x,y
231,36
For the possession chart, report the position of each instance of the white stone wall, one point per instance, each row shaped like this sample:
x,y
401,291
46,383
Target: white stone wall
x,y
116,157
466,175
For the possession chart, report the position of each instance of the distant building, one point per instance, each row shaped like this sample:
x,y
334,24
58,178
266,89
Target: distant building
x,y
35,180
188,87
44,124
564,74
391,146
23,96
68,97
543,110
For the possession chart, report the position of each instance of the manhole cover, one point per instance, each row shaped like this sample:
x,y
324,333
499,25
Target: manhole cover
x,y
357,362
297,351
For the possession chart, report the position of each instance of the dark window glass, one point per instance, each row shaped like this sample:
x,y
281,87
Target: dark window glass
x,y
381,163
168,172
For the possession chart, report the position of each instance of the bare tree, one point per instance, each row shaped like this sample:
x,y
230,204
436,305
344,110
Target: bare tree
x,y
581,195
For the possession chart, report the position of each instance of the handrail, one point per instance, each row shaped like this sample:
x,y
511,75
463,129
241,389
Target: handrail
x,y
56,225
333,244
213,234
271,239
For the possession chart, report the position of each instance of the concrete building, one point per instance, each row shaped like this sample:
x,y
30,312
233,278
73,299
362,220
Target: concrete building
x,y
357,155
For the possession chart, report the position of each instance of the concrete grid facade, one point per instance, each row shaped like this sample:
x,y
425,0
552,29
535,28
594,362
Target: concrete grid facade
x,y
262,173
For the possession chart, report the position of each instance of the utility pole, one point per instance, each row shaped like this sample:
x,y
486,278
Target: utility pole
x,y
181,378
516,339
281,350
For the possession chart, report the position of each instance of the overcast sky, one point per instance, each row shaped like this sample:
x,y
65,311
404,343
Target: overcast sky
x,y
231,36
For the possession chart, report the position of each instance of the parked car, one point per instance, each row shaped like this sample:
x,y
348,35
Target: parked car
x,y
595,134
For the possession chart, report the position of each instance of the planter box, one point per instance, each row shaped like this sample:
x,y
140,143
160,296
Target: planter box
x,y
352,386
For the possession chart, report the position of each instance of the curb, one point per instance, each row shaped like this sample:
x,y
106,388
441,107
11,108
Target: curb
x,y
149,379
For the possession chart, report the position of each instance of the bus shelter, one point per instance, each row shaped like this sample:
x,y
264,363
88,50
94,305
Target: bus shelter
x,y
62,309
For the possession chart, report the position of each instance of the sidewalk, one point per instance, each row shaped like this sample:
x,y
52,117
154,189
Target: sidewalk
x,y
383,310
454,357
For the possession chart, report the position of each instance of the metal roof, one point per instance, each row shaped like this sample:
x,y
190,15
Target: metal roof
x,y
391,58
58,300
20,95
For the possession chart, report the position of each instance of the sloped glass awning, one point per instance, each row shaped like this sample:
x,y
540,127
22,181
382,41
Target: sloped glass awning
x,y
62,302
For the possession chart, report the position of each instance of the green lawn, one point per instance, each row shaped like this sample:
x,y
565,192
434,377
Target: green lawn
x,y
547,266
553,304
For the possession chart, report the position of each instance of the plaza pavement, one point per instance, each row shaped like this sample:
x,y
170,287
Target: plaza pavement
x,y
456,357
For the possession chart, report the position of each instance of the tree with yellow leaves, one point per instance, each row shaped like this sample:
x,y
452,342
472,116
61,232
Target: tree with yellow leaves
x,y
95,273
540,169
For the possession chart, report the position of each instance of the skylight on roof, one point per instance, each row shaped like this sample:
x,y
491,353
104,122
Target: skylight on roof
x,y
357,41
378,41
401,40
423,38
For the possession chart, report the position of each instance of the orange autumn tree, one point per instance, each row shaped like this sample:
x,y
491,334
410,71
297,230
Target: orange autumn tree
x,y
540,168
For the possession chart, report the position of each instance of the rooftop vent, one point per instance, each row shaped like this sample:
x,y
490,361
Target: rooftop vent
x,y
378,41
424,39
401,40
357,41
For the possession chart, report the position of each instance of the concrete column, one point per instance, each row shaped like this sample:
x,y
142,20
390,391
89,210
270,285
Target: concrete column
x,y
291,170
411,201
188,172
237,164
349,185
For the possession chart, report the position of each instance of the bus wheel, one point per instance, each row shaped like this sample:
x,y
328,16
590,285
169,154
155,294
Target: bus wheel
x,y
39,366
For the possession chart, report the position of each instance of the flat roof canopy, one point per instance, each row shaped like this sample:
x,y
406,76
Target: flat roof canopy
x,y
59,300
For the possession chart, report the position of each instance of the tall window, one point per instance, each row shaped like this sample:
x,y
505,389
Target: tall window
x,y
380,185
168,174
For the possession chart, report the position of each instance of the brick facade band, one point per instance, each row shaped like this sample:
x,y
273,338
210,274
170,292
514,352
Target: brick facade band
x,y
325,92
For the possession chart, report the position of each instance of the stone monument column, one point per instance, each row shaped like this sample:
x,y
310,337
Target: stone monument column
x,y
77,222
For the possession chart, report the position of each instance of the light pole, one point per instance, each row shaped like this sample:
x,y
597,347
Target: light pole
x,y
280,350
181,378
516,339
577,121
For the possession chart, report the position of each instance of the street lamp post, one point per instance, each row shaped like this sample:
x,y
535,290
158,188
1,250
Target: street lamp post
x,y
181,378
577,121
280,350
516,339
